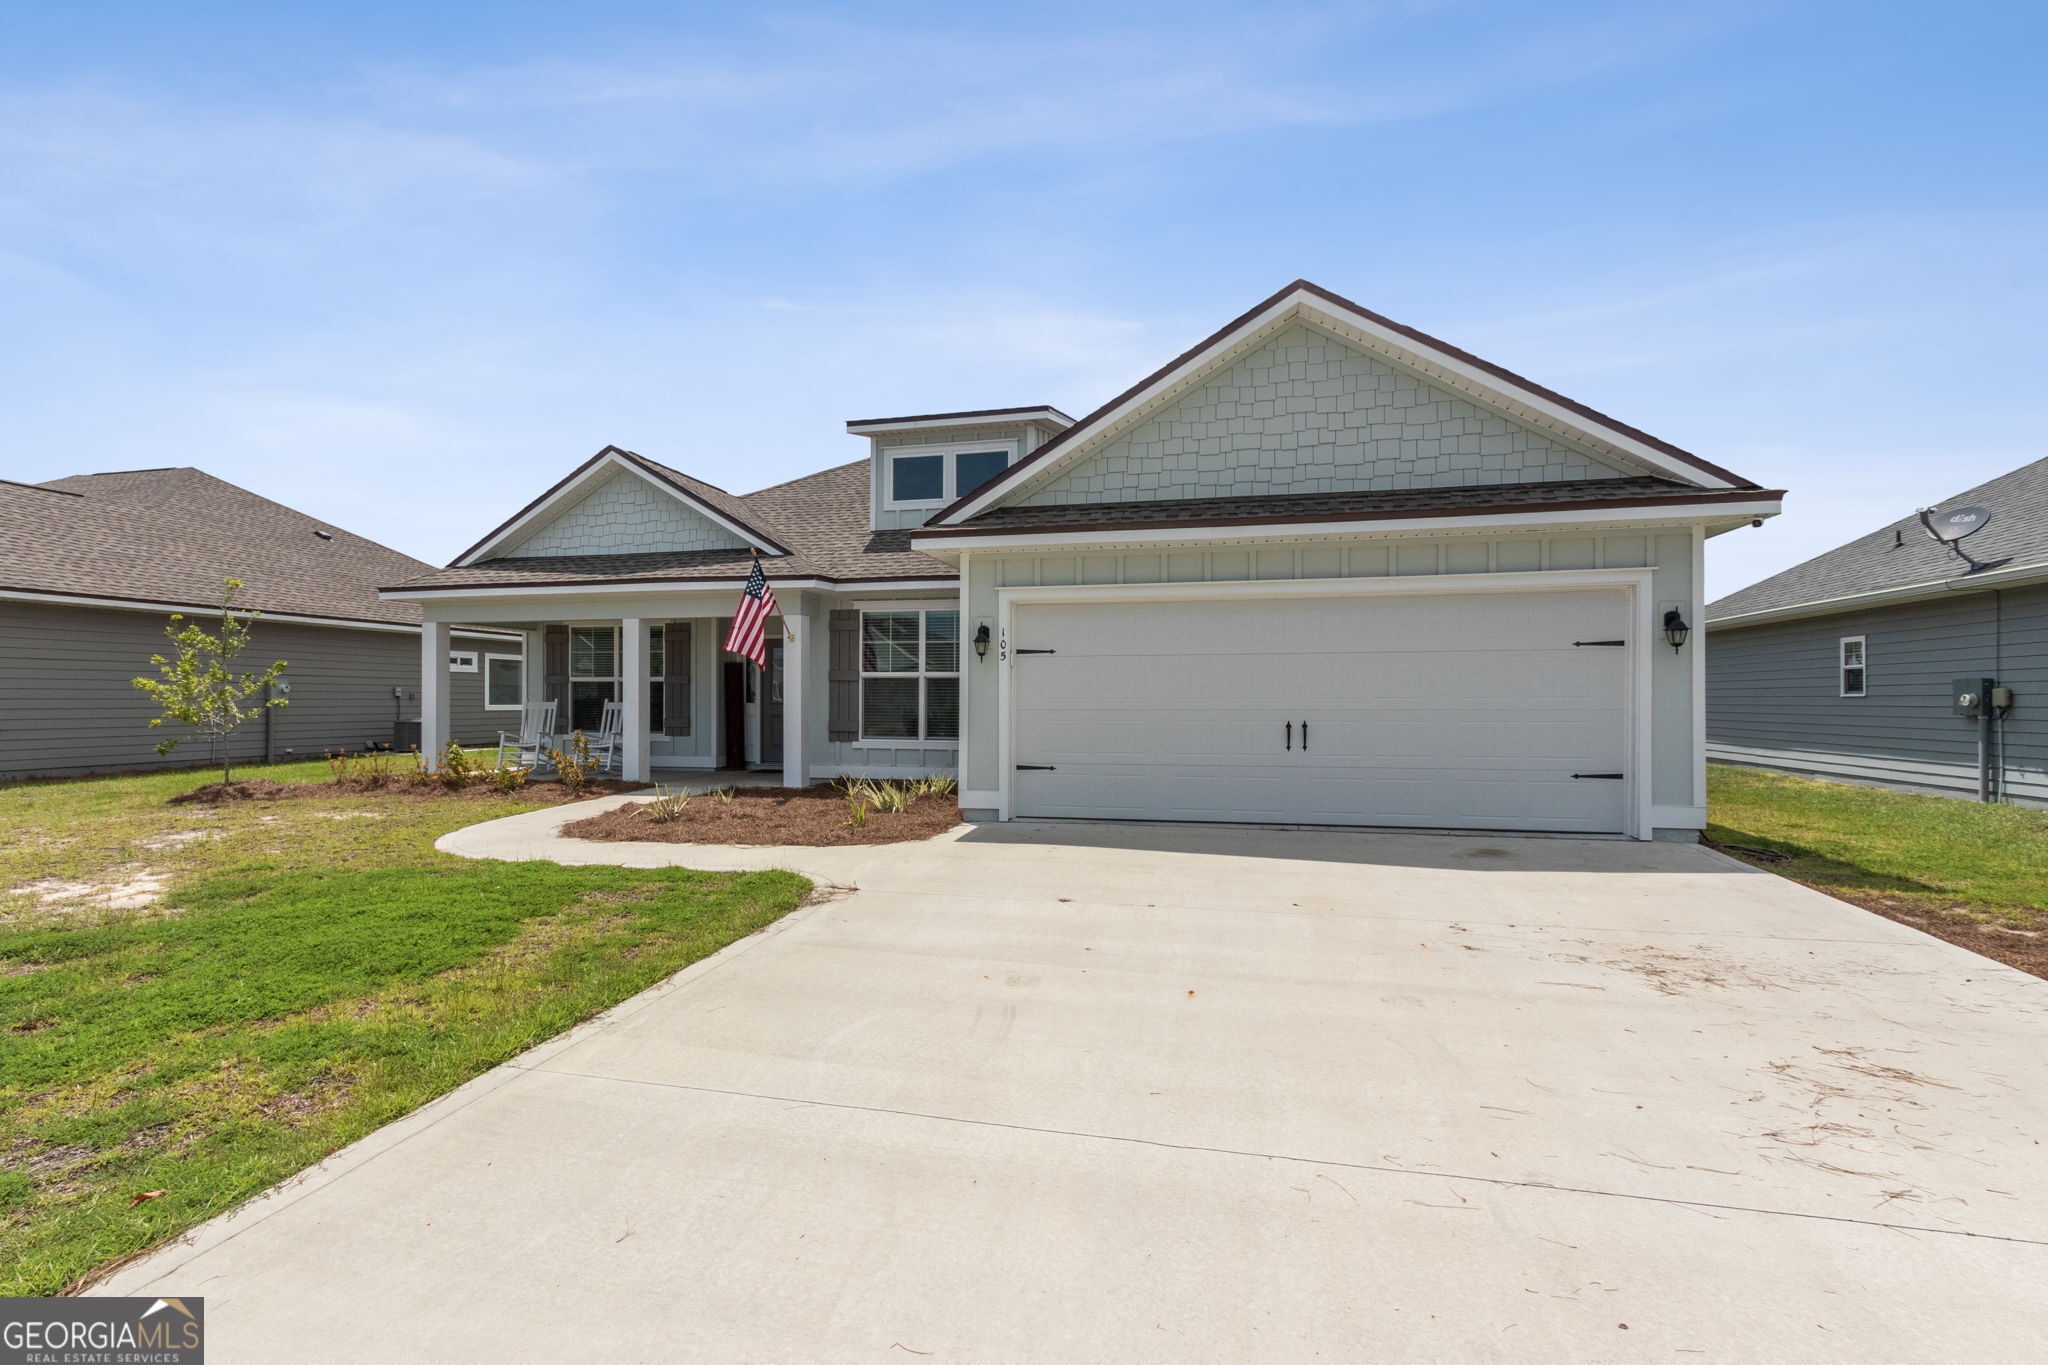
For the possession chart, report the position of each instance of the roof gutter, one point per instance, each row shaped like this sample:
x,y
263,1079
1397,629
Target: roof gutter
x,y
2018,576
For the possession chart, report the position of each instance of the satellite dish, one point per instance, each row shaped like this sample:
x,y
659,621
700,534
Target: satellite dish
x,y
1950,527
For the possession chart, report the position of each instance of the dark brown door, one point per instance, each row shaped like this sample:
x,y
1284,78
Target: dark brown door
x,y
732,694
771,708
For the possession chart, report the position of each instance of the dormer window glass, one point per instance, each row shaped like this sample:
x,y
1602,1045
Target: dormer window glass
x,y
932,476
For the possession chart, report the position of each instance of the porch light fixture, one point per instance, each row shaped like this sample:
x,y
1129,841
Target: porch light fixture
x,y
1675,629
981,641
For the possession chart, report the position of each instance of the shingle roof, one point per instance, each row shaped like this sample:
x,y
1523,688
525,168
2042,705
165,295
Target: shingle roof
x,y
822,519
1903,554
172,535
1285,507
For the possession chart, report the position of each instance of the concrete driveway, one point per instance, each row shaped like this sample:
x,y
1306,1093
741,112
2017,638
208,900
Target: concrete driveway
x,y
1105,1093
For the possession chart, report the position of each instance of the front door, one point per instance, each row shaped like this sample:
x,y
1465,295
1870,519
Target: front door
x,y
771,708
732,711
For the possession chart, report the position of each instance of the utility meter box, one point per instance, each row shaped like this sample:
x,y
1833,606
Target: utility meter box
x,y
1970,695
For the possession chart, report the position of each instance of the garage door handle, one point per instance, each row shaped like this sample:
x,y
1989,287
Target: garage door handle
x,y
1304,736
1606,777
1290,736
1036,768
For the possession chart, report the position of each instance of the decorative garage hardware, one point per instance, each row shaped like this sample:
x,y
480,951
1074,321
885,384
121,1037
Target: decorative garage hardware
x,y
1036,651
1675,629
1304,736
1036,768
1604,644
1605,777
1290,736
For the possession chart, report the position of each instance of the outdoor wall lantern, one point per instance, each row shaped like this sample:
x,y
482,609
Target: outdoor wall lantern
x,y
1675,629
981,641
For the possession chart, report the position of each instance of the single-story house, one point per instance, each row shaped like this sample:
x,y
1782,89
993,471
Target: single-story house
x,y
1898,659
92,566
1319,569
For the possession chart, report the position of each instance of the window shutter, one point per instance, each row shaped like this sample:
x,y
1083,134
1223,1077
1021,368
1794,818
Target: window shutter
x,y
843,676
554,654
675,678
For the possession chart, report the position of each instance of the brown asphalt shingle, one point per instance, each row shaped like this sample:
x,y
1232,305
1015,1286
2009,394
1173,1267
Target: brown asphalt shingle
x,y
173,535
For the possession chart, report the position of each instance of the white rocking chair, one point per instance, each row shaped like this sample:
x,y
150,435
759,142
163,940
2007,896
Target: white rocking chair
x,y
604,742
536,732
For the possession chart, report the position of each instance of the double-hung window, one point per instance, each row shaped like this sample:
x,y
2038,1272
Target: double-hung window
x,y
932,476
1854,673
504,682
593,674
910,675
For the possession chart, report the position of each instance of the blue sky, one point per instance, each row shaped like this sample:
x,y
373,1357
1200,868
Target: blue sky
x,y
402,265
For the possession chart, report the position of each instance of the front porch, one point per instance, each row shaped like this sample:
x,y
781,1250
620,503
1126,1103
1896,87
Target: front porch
x,y
688,709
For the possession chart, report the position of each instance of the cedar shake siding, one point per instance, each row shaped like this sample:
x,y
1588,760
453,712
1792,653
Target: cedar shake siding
x,y
67,706
1774,695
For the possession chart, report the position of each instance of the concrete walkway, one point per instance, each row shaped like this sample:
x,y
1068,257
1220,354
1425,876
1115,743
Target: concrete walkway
x,y
1106,1093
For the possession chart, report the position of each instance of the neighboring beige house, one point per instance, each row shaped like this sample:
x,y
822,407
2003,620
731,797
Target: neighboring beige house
x,y
1320,569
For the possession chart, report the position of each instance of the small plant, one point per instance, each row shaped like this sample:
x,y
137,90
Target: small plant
x,y
508,777
200,688
856,812
723,796
940,785
459,768
667,806
892,798
573,765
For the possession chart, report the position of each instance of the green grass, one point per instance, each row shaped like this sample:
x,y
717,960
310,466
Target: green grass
x,y
1927,852
306,979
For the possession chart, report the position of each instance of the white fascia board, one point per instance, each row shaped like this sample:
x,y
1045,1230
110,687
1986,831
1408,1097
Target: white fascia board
x,y
124,604
728,585
1043,417
2019,576
1403,349
1679,515
570,490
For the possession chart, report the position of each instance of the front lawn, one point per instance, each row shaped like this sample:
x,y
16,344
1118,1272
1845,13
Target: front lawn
x,y
204,1000
1974,874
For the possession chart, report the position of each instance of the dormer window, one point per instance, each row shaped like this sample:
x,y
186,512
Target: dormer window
x,y
932,476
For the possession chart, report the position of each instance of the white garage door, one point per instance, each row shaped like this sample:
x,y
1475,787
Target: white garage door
x,y
1473,711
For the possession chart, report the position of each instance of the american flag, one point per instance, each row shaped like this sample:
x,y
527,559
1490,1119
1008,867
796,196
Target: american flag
x,y
749,633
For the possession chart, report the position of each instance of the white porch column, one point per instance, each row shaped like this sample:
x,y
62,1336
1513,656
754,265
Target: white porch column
x,y
434,638
633,764
796,757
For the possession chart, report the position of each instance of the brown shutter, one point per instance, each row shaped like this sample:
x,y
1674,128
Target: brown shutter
x,y
675,678
554,655
843,715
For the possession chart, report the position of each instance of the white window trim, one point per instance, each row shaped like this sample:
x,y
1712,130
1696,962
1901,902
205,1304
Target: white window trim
x,y
490,705
948,451
1862,664
462,661
922,609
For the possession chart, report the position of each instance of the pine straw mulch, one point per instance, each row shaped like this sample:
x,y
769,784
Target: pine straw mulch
x,y
812,817
396,785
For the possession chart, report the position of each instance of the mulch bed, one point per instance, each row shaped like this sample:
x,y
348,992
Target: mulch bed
x,y
395,785
810,816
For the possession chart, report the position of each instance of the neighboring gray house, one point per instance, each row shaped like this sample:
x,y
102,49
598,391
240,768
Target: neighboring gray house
x,y
1320,569
92,566
1851,665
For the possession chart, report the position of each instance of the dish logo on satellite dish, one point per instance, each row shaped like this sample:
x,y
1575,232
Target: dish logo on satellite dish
x,y
1953,526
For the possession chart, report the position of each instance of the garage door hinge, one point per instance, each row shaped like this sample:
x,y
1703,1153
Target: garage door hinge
x,y
1611,644
1610,777
1035,768
1034,651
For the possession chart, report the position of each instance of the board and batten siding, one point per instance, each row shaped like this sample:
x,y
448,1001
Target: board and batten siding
x,y
1674,764
68,705
1774,694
